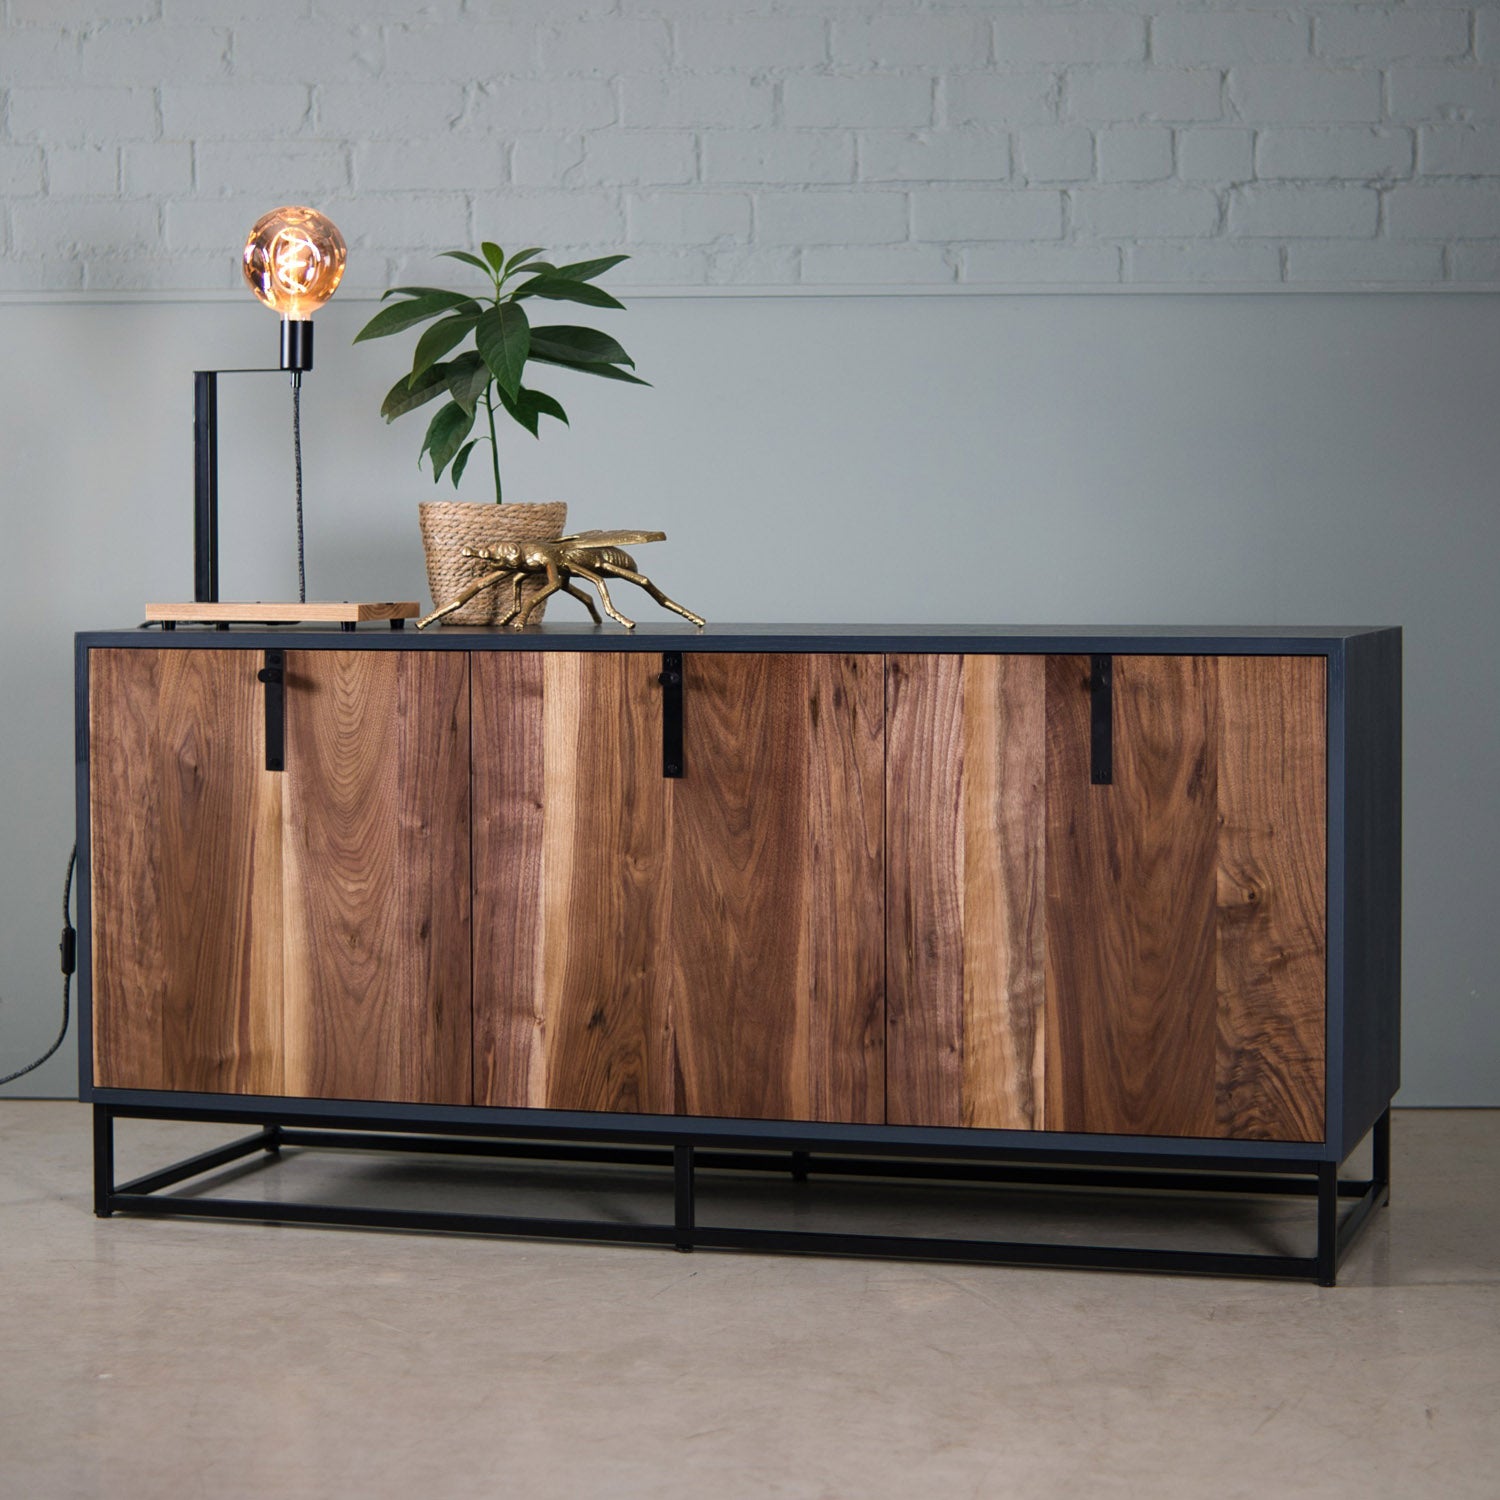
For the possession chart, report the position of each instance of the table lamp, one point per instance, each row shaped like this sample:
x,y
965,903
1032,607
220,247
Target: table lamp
x,y
293,261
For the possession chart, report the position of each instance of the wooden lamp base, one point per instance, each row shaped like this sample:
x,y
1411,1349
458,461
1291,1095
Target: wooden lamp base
x,y
274,612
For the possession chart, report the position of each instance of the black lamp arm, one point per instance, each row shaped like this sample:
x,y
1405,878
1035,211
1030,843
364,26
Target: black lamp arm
x,y
206,456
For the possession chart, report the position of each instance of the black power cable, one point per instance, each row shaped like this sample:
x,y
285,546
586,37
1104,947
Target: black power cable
x,y
297,460
68,949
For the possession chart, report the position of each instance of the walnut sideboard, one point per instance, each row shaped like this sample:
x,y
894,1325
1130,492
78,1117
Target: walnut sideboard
x,y
1063,907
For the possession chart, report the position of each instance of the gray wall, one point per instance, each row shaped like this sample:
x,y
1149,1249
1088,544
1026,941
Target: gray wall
x,y
928,449
1274,458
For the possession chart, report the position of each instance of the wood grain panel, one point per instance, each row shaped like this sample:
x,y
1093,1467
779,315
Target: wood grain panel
x,y
924,890
965,786
1131,876
776,861
509,792
185,874
570,883
706,945
376,874
1272,800
1142,958
844,914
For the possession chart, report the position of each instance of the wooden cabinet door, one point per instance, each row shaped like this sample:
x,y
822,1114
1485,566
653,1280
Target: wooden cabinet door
x,y
966,772
1143,957
1185,900
776,862
705,945
302,933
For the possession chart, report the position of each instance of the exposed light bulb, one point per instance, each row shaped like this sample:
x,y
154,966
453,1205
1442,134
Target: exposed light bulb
x,y
294,260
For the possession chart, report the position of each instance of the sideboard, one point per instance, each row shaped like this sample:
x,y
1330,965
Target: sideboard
x,y
1048,906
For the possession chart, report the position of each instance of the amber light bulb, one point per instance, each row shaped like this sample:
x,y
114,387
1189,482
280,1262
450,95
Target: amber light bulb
x,y
294,260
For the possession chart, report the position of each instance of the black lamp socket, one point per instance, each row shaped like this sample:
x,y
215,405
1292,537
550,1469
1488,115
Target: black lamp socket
x,y
296,344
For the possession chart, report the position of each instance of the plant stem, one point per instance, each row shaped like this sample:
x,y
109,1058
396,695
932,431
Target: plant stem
x,y
489,406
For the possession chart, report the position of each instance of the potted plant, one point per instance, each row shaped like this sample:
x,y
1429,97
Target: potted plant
x,y
475,351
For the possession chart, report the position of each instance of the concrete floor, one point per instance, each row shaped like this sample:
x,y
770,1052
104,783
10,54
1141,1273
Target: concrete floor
x,y
191,1359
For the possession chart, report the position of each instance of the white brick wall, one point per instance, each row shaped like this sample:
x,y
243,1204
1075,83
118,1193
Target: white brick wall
x,y
766,142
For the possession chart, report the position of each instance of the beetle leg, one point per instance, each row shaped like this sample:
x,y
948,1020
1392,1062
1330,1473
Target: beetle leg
x,y
642,581
573,589
517,579
463,597
597,579
553,585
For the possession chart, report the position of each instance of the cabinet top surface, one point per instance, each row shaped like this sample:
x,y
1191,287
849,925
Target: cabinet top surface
x,y
1256,639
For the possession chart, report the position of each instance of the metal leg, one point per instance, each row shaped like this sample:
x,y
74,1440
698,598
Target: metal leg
x,y
1380,1143
1328,1222
1370,1195
104,1160
279,1129
682,1178
195,1166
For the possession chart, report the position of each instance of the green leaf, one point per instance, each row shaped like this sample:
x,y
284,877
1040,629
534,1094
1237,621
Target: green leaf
x,y
461,461
561,343
468,379
467,259
439,339
560,289
503,338
604,372
531,268
404,396
529,407
521,257
586,270
403,315
546,406
494,254
426,291
526,414
445,436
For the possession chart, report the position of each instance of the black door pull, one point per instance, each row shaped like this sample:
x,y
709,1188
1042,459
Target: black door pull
x,y
273,675
671,713
1101,721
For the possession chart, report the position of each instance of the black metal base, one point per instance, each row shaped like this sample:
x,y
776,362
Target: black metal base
x,y
1335,1235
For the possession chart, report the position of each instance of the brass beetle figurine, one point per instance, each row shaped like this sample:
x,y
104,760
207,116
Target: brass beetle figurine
x,y
591,555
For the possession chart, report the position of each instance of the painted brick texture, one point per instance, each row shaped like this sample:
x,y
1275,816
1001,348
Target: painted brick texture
x,y
761,142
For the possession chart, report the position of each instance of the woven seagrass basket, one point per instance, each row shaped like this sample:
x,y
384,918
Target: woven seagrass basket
x,y
448,526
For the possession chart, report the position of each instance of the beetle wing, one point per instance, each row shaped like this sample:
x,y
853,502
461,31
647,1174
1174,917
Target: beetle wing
x,y
613,538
